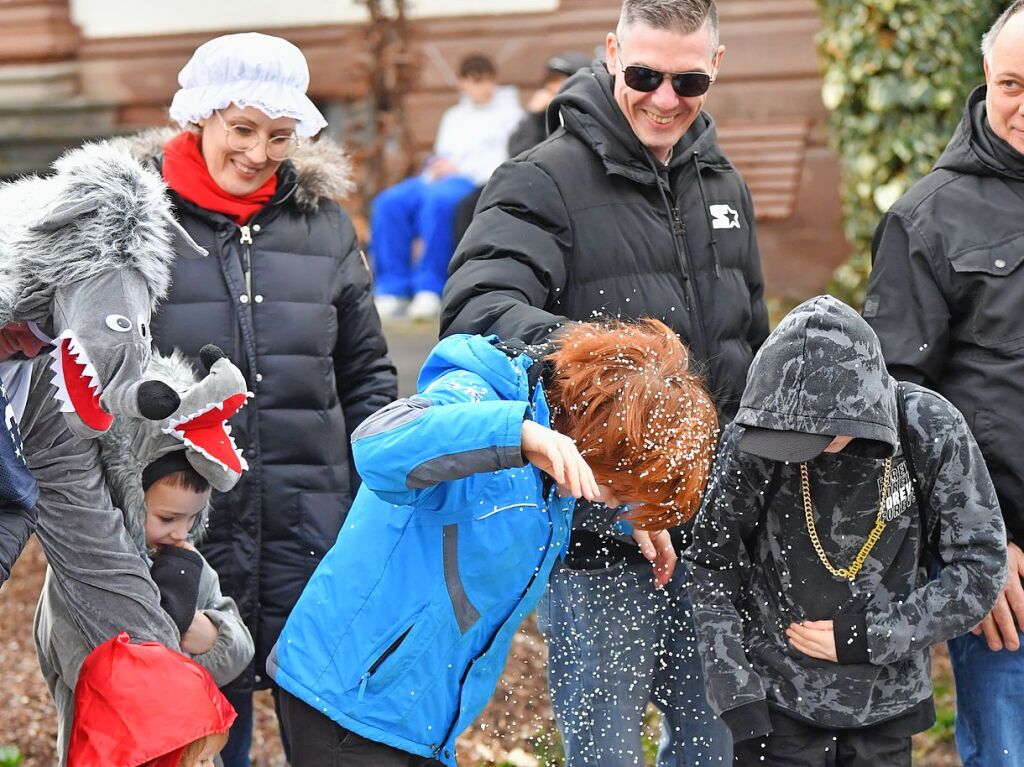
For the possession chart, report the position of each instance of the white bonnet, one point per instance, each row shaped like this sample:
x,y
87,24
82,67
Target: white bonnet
x,y
249,70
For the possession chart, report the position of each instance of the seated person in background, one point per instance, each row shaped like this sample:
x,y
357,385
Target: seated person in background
x,y
531,130
833,490
472,141
143,705
398,640
161,481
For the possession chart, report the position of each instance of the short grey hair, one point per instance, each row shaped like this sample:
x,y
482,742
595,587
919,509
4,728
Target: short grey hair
x,y
686,16
988,40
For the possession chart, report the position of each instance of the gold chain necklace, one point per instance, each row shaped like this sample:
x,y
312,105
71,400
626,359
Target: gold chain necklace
x,y
849,572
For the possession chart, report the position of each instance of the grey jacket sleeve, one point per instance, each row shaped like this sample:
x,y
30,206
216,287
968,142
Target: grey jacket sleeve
x,y
233,649
510,265
972,539
719,565
906,302
16,525
104,579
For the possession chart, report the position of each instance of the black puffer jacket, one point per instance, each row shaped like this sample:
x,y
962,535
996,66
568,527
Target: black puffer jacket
x,y
946,292
590,223
307,337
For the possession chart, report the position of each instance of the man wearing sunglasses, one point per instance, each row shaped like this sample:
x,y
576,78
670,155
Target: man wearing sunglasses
x,y
629,209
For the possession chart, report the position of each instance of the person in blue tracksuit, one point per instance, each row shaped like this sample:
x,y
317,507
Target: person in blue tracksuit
x,y
398,640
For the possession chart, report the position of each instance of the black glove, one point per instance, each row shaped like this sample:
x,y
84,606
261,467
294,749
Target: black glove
x,y
176,573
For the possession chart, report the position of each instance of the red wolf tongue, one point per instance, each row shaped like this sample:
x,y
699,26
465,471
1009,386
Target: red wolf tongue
x,y
207,431
85,401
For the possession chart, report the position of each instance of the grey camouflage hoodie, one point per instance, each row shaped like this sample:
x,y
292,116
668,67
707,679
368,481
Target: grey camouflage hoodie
x,y
755,570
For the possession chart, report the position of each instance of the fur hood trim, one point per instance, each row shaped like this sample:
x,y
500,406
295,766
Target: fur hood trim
x,y
323,170
122,221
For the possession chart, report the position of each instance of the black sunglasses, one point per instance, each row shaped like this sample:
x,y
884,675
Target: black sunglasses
x,y
685,84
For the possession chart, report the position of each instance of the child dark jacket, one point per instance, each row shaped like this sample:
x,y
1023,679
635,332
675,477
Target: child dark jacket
x,y
755,569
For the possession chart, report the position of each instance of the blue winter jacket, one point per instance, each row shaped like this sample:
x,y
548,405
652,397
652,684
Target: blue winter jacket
x,y
404,628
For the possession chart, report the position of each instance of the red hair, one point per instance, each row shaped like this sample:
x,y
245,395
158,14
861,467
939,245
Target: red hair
x,y
642,420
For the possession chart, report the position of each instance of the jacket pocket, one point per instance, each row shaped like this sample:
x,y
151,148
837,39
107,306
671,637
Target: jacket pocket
x,y
412,655
465,613
990,275
382,658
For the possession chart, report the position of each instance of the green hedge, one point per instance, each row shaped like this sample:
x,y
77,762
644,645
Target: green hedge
x,y
896,75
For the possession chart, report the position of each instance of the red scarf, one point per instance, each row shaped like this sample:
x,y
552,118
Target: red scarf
x,y
185,171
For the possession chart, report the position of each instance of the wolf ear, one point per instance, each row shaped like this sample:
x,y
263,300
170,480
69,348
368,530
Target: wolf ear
x,y
65,213
184,245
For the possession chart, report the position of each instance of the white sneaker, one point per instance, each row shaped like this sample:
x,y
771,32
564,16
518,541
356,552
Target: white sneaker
x,y
425,306
390,307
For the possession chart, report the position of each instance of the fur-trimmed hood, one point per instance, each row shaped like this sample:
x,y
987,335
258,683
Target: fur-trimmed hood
x,y
322,169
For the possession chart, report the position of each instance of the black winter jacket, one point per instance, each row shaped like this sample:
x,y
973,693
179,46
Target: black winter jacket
x,y
589,223
303,329
946,291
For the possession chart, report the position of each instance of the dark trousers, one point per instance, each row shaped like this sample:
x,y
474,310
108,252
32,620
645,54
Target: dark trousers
x,y
819,747
318,741
236,751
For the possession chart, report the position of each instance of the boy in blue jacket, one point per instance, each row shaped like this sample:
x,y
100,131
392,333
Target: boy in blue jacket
x,y
468,488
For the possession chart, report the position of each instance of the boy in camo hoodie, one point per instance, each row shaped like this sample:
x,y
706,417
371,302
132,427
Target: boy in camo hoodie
x,y
811,596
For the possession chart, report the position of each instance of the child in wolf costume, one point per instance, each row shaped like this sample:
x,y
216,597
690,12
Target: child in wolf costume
x,y
193,445
84,256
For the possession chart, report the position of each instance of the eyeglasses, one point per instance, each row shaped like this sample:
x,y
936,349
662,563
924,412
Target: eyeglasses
x,y
646,80
242,137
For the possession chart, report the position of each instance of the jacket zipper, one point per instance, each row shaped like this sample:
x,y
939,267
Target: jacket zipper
x,y
679,239
246,240
383,657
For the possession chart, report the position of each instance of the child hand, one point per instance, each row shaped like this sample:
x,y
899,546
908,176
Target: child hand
x,y
556,455
814,638
658,549
200,636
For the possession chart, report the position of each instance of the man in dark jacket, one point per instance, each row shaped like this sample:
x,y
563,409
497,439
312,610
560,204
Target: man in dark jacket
x,y
629,209
945,299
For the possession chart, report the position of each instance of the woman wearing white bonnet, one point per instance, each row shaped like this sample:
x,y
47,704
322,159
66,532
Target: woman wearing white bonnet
x,y
285,292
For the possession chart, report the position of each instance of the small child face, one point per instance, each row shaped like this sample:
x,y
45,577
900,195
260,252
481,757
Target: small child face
x,y
171,512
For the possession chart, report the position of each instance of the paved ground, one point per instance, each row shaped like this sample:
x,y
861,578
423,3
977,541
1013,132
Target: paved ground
x,y
409,343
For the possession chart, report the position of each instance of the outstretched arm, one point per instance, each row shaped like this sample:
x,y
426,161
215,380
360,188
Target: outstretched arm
x,y
510,265
98,569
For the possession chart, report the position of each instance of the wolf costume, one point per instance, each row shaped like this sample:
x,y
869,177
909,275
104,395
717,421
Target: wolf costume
x,y
755,569
198,427
84,256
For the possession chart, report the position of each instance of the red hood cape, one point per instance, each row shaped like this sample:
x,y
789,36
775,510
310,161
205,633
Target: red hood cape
x,y
142,704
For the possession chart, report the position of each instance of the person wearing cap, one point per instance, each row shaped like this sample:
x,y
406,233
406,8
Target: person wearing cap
x,y
285,292
630,208
531,129
471,142
833,490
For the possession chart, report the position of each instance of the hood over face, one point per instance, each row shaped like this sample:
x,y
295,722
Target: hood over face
x,y
821,372
976,150
142,704
586,107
